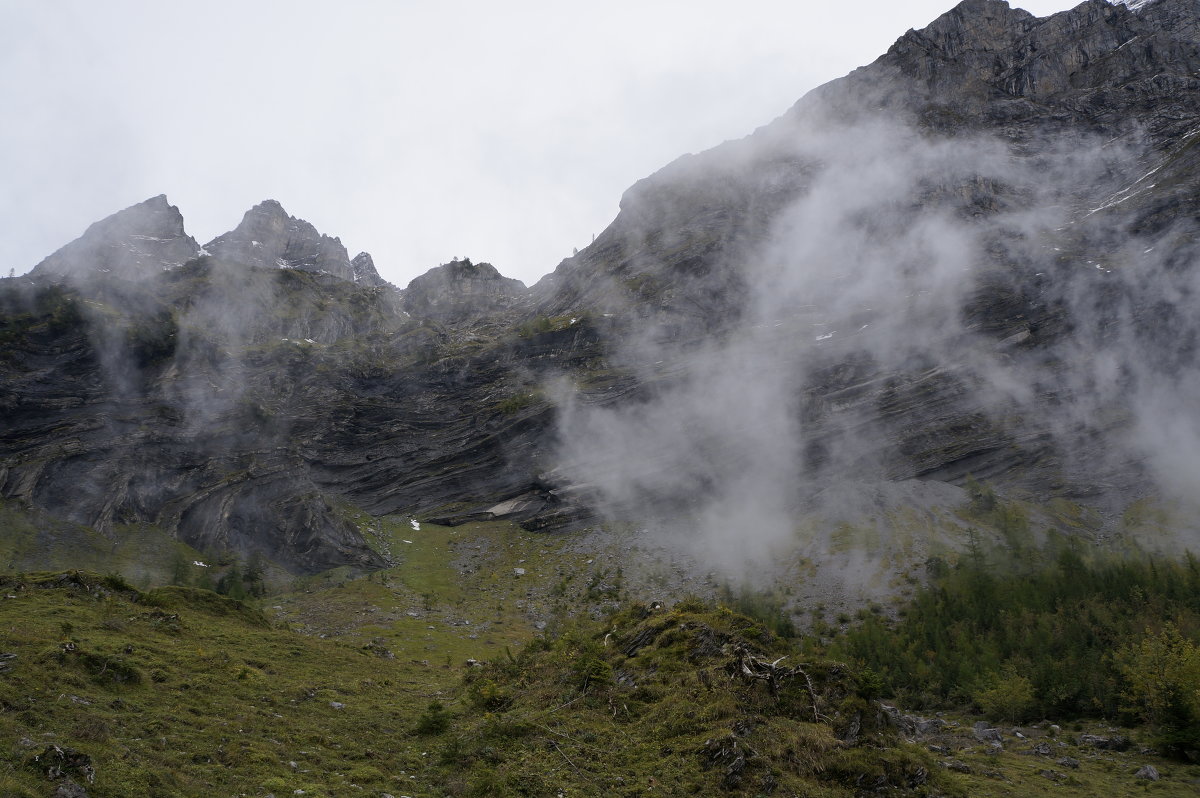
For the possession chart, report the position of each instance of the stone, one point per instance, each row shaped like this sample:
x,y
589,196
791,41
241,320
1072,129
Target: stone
x,y
912,726
1116,742
70,789
1147,772
985,733
59,762
1042,749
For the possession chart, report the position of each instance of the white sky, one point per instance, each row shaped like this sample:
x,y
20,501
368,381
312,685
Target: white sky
x,y
417,131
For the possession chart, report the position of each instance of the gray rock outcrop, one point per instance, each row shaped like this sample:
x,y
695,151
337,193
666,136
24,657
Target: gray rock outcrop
x,y
135,243
461,290
269,238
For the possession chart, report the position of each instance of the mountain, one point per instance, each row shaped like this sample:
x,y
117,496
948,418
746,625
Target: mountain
x,y
969,259
269,237
133,243
969,263
461,291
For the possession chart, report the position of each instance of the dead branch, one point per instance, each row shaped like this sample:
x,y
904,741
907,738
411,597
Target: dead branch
x,y
564,756
754,668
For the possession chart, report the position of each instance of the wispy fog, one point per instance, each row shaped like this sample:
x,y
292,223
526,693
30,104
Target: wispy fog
x,y
924,307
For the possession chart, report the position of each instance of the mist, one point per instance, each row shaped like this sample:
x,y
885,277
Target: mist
x,y
873,336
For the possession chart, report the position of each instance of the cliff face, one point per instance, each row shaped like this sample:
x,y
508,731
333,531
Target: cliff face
x,y
974,257
136,242
268,238
246,399
462,291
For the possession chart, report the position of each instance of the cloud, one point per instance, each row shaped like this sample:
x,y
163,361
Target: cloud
x,y
922,306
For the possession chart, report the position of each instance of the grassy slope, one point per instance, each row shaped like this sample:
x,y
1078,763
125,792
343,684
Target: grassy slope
x,y
32,540
453,592
655,703
182,692
225,701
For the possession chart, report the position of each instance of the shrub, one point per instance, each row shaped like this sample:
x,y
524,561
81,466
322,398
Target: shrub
x,y
434,720
1010,698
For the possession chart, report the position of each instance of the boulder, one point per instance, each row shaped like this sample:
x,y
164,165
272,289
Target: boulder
x,y
1147,772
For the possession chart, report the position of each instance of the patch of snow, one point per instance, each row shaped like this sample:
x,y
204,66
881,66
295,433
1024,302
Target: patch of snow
x,y
309,341
416,525
203,253
197,562
405,541
826,336
256,243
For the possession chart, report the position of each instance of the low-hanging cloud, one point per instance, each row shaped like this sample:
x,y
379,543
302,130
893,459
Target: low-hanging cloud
x,y
890,268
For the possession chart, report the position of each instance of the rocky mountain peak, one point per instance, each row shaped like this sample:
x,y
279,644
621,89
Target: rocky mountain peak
x,y
984,63
980,25
1180,17
140,240
461,289
362,270
986,50
268,237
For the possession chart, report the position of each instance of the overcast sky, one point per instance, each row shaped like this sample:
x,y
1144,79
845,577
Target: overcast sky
x,y
416,131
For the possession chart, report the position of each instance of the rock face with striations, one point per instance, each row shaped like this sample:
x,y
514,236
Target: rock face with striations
x,y
968,259
461,290
134,243
974,258
239,405
268,237
362,270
